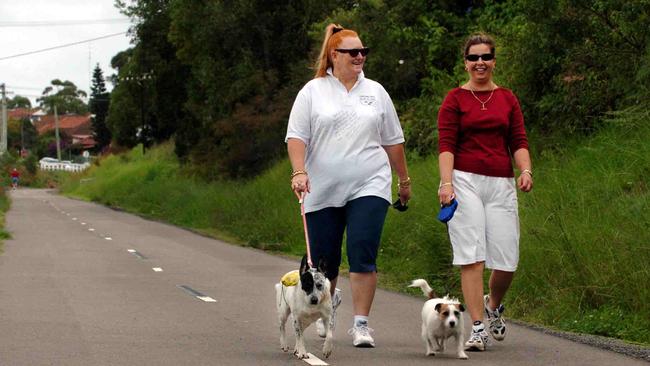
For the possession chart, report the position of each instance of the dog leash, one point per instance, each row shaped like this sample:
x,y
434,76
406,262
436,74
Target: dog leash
x,y
301,200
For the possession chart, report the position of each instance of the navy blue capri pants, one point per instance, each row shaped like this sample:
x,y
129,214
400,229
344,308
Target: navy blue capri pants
x,y
363,218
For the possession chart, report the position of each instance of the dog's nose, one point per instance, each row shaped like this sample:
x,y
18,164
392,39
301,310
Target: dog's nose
x,y
452,324
314,300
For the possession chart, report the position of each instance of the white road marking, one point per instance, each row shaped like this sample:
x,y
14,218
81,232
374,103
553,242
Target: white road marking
x,y
74,219
83,223
313,360
108,238
157,269
131,250
91,229
206,298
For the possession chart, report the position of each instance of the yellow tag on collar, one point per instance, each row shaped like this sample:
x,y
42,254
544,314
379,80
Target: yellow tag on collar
x,y
290,278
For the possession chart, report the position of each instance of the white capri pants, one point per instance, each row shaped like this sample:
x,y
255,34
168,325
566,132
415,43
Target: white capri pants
x,y
485,226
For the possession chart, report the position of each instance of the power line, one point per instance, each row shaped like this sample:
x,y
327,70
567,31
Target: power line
x,y
62,46
49,23
24,87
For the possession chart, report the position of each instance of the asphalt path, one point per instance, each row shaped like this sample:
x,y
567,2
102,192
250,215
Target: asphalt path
x,y
82,284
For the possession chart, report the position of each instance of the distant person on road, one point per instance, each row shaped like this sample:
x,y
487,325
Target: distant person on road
x,y
15,177
343,137
481,130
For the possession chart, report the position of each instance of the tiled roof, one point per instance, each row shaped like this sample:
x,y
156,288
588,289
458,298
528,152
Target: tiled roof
x,y
18,113
87,141
71,124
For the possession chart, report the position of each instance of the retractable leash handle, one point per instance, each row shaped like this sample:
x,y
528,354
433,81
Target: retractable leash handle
x,y
301,201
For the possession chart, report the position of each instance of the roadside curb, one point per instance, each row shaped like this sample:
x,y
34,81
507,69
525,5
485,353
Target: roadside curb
x,y
610,344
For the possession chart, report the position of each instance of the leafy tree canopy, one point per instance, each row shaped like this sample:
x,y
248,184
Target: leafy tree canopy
x,y
66,97
18,102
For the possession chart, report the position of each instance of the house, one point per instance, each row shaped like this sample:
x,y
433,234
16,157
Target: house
x,y
76,127
20,113
86,142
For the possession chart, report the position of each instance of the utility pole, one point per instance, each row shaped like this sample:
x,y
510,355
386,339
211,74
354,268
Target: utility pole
x,y
141,79
56,132
3,129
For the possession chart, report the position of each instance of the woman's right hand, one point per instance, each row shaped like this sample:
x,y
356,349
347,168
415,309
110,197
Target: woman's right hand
x,y
446,194
300,184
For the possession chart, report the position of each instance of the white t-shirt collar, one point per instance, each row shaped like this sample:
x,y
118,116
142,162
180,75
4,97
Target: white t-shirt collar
x,y
361,76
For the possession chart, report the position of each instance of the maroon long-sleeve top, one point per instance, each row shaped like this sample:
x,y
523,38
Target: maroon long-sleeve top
x,y
482,141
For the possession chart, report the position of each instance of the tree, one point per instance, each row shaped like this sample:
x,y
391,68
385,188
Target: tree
x,y
21,133
99,103
19,102
148,101
66,97
247,59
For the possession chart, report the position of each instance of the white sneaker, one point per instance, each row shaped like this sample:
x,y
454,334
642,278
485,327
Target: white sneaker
x,y
361,335
320,326
478,340
496,322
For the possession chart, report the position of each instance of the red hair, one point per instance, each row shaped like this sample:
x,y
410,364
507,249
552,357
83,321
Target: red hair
x,y
334,35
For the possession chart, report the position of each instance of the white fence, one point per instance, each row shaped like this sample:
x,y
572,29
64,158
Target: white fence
x,y
63,165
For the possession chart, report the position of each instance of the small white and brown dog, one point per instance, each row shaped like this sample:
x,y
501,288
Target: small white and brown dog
x,y
442,318
307,301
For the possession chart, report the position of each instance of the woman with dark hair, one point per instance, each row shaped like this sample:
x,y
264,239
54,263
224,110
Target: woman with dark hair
x,y
481,131
343,137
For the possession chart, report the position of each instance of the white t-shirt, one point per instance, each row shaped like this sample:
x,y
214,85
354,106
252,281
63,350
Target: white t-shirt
x,y
344,133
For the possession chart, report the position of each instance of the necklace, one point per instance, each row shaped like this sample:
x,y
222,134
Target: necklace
x,y
480,101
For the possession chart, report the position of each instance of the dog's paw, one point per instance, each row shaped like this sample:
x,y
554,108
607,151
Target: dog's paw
x,y
284,348
301,354
463,356
327,350
430,353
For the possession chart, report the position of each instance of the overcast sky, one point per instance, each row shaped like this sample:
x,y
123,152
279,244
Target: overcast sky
x,y
29,75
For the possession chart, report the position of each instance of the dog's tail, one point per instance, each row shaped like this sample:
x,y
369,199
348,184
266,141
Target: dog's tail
x,y
426,289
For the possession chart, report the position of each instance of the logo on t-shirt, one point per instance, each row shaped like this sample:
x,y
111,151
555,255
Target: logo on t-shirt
x,y
367,99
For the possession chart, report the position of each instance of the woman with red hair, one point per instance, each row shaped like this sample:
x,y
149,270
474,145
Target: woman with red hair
x,y
343,137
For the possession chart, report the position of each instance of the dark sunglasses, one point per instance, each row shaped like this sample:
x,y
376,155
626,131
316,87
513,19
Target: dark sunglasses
x,y
484,57
354,51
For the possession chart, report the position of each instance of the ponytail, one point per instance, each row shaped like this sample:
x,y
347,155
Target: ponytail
x,y
334,34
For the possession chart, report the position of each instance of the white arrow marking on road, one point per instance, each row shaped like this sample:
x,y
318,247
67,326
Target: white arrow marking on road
x,y
313,360
207,298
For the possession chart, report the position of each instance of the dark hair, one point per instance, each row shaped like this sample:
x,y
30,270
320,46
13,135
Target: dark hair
x,y
479,38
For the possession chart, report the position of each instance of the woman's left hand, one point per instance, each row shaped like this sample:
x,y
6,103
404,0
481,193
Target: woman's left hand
x,y
525,182
404,194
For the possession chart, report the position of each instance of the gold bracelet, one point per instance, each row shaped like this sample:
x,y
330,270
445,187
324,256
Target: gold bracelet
x,y
527,171
297,172
405,183
444,184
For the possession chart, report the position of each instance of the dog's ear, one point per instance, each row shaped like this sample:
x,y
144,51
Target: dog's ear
x,y
307,282
438,306
461,307
322,265
304,267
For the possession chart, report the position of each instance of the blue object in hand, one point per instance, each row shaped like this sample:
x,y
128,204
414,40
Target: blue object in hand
x,y
447,211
